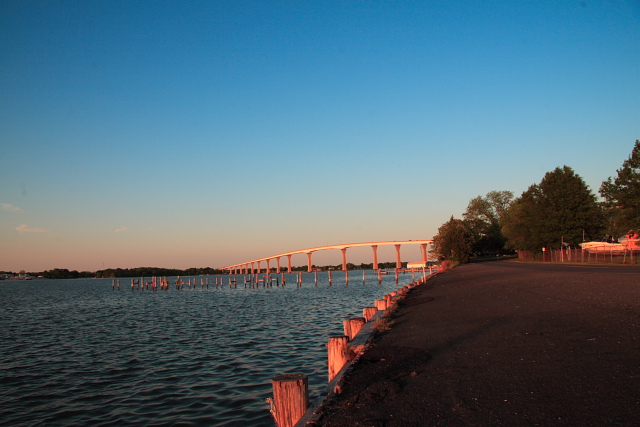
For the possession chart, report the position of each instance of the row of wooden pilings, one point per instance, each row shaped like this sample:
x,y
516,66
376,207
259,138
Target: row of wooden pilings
x,y
162,283
290,402
252,281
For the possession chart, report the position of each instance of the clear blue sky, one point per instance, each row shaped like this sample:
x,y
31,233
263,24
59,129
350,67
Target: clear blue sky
x,y
207,133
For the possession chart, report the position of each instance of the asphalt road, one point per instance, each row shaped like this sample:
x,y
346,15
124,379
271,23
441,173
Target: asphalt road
x,y
504,344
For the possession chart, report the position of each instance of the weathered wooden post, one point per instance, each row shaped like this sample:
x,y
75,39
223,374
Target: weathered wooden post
x,y
290,398
368,313
338,354
346,326
352,326
381,304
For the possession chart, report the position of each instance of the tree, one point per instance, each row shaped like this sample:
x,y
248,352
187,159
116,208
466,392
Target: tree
x,y
560,208
521,223
622,196
482,218
453,241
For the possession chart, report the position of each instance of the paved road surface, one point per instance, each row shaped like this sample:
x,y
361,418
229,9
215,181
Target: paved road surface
x,y
504,344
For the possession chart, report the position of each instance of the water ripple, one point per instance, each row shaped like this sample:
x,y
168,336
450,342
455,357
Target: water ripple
x,y
76,352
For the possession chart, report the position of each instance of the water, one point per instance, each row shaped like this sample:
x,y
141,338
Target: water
x,y
76,352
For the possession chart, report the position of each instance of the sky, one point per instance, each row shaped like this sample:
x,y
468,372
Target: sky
x,y
209,133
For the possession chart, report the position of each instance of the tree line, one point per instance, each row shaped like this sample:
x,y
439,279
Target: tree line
x,y
156,271
560,210
63,273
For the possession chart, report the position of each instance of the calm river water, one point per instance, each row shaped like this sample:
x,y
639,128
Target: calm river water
x,y
77,352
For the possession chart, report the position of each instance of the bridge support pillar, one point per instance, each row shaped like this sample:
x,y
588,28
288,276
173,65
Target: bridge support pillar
x,y
268,266
375,257
398,262
288,263
344,259
259,268
278,262
423,247
309,264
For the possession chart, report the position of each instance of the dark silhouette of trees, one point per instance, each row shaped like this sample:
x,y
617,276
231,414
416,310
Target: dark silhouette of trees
x,y
63,273
622,196
454,241
561,208
156,271
482,218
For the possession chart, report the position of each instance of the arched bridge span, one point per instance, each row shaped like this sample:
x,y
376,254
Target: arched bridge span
x,y
245,266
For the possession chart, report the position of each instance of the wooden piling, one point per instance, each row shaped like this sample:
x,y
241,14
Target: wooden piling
x,y
352,326
290,398
368,313
381,304
388,298
338,354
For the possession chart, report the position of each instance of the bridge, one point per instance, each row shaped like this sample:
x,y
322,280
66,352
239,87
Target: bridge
x,y
249,267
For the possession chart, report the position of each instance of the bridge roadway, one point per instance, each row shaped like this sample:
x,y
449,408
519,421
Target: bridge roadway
x,y
244,266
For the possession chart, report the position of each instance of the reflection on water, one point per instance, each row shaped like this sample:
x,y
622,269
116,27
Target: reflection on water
x,y
77,352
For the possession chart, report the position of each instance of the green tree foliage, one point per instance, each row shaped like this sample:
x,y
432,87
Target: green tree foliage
x,y
561,207
482,218
453,241
622,196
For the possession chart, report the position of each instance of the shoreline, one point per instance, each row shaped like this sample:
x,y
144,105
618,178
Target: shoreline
x,y
359,345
